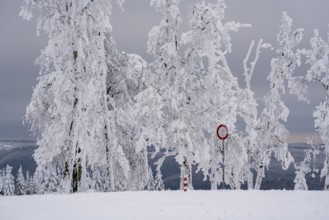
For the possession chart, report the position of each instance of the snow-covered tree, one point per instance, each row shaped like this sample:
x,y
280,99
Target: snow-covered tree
x,y
51,183
318,59
8,187
272,134
128,88
305,167
20,183
78,109
1,181
96,179
247,110
38,181
173,86
208,43
30,189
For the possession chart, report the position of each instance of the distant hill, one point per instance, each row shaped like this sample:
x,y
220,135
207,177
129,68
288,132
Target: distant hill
x,y
20,152
16,153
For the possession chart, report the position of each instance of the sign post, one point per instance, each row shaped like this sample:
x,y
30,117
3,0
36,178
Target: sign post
x,y
222,134
185,183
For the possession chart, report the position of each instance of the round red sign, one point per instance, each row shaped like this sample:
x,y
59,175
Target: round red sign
x,y
222,132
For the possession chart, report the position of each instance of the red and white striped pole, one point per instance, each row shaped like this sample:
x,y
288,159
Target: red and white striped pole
x,y
185,184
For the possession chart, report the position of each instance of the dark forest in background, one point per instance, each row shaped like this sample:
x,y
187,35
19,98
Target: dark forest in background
x,y
20,152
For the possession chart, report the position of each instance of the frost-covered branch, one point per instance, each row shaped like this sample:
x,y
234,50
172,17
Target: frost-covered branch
x,y
318,59
248,72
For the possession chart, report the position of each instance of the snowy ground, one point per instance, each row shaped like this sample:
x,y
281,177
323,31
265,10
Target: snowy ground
x,y
170,205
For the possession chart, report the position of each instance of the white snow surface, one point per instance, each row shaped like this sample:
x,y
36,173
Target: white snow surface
x,y
171,205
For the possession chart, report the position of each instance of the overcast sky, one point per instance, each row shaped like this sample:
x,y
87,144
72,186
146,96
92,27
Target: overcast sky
x,y
19,47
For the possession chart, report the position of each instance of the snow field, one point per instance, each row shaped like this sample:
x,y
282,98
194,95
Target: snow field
x,y
170,205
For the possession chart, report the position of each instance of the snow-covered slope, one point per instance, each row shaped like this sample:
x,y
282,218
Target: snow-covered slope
x,y
170,205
